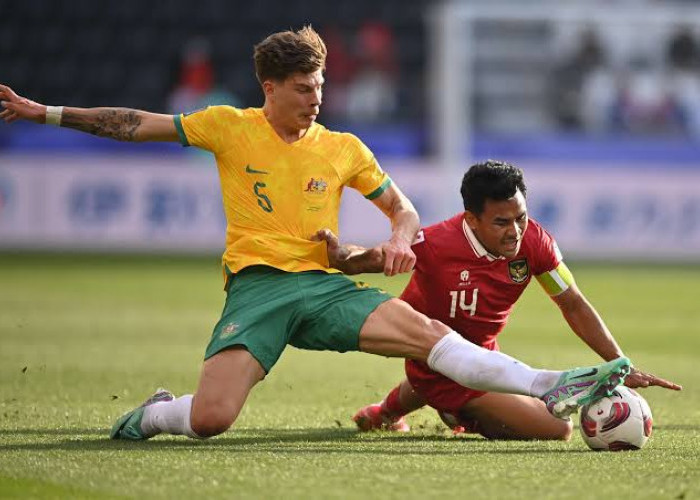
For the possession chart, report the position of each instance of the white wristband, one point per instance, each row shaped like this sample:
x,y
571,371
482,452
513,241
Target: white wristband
x,y
53,115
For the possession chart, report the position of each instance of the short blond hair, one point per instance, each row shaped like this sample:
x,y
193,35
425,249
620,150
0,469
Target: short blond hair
x,y
287,52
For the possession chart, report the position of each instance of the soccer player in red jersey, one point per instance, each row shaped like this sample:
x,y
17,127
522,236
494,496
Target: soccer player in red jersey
x,y
470,271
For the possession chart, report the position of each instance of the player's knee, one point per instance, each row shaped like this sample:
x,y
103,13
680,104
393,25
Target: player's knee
x,y
437,328
554,430
213,421
430,333
567,430
562,430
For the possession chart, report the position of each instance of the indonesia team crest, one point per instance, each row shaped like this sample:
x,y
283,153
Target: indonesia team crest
x,y
518,270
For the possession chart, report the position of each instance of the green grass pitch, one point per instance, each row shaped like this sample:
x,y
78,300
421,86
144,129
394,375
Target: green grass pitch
x,y
84,338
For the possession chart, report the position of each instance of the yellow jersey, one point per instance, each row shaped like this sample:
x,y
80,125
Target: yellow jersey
x,y
277,195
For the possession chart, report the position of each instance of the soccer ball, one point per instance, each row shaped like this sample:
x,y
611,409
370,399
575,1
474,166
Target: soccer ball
x,y
621,421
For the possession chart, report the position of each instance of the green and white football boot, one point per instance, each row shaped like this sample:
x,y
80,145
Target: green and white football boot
x,y
128,426
581,386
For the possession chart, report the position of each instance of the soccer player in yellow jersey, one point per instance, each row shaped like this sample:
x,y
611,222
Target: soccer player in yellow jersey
x,y
282,177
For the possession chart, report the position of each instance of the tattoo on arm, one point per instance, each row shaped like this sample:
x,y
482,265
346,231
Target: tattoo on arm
x,y
115,123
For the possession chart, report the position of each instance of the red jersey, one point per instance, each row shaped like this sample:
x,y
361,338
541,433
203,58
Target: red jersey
x,y
458,282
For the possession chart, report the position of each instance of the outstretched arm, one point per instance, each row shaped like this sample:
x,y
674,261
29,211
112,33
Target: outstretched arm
x,y
116,123
585,321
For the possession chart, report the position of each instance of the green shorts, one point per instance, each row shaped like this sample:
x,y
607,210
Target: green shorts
x,y
266,309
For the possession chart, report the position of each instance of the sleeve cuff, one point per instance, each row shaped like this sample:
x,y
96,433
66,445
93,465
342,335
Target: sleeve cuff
x,y
377,192
180,131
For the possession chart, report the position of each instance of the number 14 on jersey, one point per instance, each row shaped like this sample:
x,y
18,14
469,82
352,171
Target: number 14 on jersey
x,y
459,297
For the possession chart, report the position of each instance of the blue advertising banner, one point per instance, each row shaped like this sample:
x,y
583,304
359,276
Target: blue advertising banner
x,y
174,205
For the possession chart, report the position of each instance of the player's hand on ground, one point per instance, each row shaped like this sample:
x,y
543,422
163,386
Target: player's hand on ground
x,y
398,256
15,107
638,378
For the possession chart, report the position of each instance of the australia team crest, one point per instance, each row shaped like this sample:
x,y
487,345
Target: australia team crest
x,y
315,191
518,270
316,186
228,331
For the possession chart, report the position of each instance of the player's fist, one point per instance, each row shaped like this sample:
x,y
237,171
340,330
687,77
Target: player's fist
x,y
398,256
14,107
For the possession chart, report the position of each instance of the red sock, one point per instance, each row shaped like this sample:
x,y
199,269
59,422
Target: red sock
x,y
391,406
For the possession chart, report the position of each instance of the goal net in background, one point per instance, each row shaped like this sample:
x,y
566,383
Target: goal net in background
x,y
599,103
543,67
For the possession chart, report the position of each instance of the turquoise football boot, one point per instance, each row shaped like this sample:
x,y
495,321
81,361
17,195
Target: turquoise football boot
x,y
128,426
581,386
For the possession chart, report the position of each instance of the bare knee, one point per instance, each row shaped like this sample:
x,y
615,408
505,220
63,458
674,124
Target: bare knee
x,y
227,378
211,421
510,416
422,336
396,329
559,430
498,431
436,330
564,431
431,332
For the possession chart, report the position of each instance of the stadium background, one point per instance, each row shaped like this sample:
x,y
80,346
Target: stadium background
x,y
601,108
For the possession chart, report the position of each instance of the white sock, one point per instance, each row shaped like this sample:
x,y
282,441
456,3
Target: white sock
x,y
475,367
172,417
544,382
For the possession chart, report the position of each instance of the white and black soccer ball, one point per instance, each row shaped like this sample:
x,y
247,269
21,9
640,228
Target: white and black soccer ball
x,y
621,421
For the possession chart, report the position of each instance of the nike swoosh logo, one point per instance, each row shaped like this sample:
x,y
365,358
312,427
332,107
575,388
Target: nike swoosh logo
x,y
589,374
253,171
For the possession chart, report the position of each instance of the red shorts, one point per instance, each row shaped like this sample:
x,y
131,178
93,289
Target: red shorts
x,y
437,390
442,393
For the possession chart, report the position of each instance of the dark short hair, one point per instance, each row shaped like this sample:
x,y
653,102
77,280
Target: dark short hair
x,y
490,180
287,52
